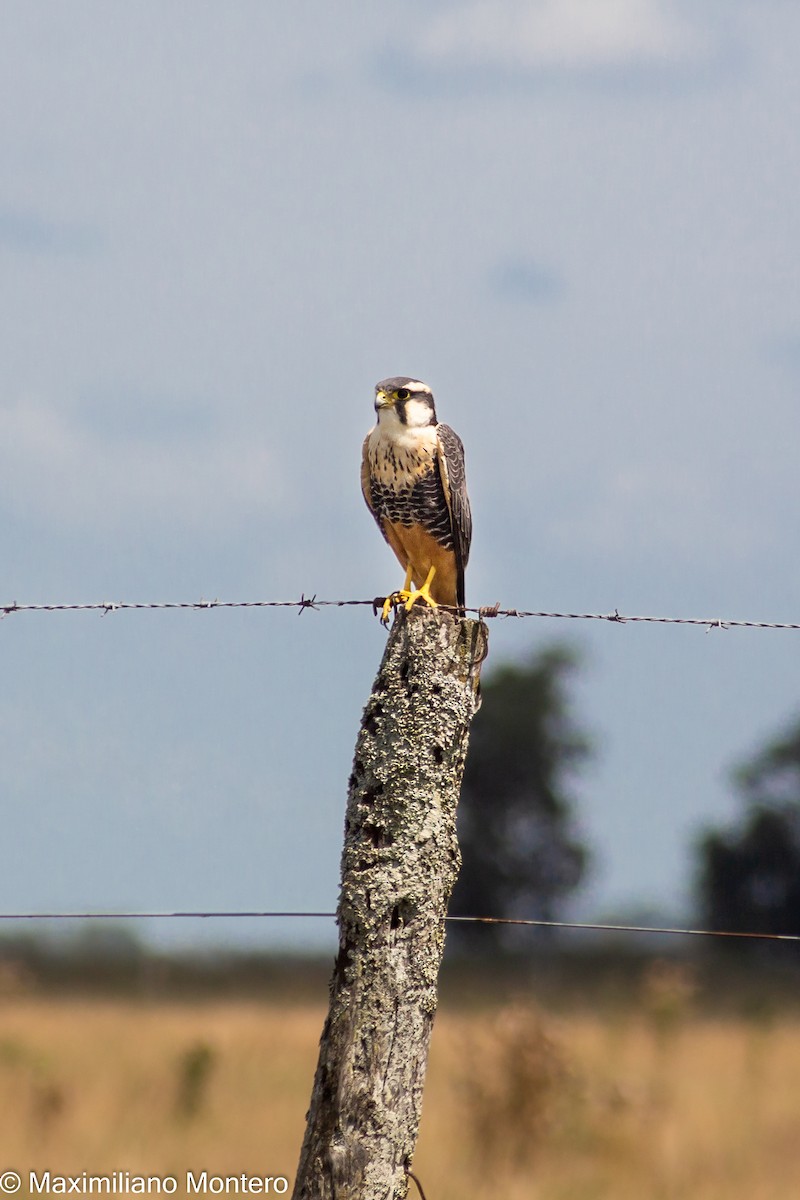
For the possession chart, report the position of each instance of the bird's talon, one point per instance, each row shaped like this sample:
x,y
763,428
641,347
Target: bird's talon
x,y
391,601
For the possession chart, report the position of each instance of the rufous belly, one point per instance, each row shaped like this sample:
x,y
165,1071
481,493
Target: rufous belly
x,y
415,548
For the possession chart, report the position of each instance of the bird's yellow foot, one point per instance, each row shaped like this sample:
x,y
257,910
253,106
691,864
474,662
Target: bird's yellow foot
x,y
408,596
396,598
389,603
423,593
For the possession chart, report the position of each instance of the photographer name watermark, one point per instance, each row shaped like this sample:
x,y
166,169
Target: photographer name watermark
x,y
126,1183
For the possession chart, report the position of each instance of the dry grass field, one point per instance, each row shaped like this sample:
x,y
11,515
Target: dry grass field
x,y
644,1101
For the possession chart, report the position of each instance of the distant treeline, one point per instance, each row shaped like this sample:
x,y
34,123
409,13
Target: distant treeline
x,y
560,973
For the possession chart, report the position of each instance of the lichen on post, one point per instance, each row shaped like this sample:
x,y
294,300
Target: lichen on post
x,y
399,865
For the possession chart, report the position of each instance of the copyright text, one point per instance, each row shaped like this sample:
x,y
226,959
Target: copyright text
x,y
124,1183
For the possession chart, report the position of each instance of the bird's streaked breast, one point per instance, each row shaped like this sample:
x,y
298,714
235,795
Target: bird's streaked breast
x,y
405,484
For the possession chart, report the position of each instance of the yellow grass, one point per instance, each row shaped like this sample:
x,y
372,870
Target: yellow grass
x,y
629,1107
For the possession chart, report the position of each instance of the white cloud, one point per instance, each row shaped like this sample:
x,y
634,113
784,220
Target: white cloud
x,y
571,35
55,465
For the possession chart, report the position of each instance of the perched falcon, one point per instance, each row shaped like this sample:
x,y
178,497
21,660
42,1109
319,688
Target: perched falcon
x,y
412,477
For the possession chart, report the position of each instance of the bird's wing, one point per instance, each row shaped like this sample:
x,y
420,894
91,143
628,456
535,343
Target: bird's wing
x,y
450,454
365,484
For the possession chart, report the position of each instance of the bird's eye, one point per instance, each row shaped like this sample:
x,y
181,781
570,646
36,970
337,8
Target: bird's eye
x,y
402,393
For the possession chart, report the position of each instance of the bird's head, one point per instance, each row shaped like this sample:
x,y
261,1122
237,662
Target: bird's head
x,y
404,400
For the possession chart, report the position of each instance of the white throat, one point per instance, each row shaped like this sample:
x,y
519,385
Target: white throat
x,y
408,436
418,416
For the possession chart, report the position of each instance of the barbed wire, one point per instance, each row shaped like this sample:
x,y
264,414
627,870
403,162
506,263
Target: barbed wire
x,y
586,926
484,612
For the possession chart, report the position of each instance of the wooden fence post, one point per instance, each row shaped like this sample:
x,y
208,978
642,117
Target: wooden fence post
x,y
399,866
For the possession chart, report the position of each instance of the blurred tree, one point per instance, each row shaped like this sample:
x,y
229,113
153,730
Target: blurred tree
x,y
520,849
749,872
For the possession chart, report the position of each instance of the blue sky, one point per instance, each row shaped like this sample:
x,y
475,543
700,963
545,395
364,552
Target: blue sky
x,y
219,226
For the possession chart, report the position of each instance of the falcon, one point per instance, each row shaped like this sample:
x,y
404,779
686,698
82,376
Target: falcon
x,y
412,477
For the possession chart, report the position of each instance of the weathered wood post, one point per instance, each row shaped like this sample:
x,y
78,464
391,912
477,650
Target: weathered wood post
x,y
399,866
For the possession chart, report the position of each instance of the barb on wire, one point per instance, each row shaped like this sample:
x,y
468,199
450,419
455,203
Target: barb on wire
x,y
586,926
484,612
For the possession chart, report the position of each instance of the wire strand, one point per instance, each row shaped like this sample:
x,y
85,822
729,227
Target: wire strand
x,y
484,612
587,926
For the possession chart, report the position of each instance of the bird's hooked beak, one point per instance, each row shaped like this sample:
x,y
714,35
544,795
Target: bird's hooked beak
x,y
383,400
